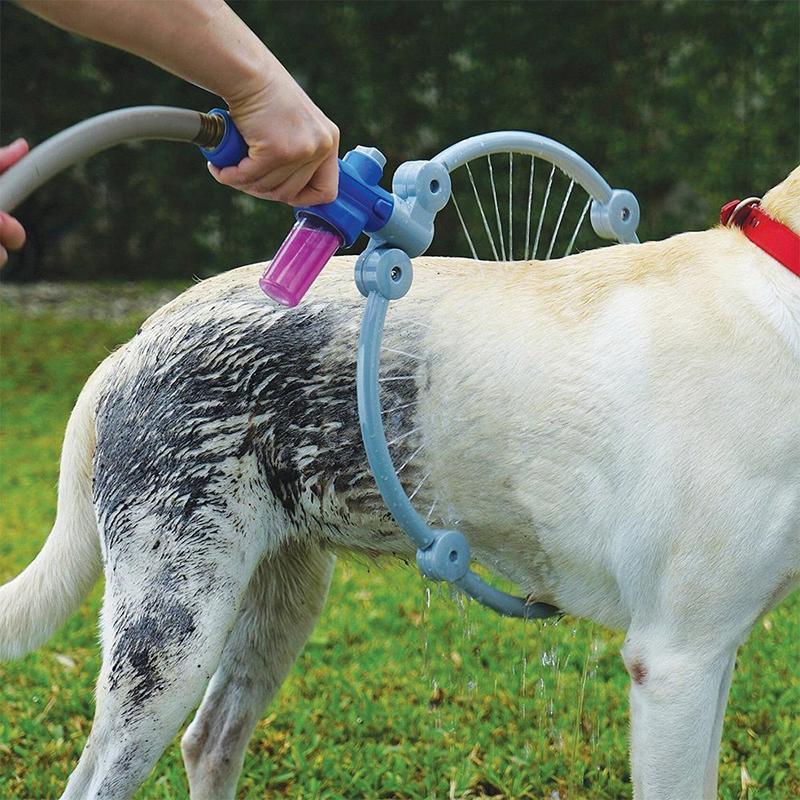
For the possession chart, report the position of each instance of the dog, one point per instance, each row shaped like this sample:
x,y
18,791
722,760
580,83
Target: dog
x,y
617,432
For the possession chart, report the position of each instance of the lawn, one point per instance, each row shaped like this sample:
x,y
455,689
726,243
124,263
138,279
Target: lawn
x,y
400,693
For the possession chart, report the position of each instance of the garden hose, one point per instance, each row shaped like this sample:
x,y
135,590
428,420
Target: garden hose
x,y
213,132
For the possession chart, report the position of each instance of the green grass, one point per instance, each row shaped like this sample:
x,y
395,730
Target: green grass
x,y
390,698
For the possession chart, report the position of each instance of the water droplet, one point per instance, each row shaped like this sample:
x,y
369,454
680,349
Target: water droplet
x,y
549,658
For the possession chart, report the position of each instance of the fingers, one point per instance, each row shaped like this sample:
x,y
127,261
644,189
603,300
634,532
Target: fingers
x,y
258,179
287,191
257,175
307,175
292,146
10,154
322,187
12,234
296,189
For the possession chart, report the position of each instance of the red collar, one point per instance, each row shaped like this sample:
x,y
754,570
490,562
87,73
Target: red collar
x,y
775,239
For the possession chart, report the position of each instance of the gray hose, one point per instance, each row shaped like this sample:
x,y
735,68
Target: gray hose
x,y
99,133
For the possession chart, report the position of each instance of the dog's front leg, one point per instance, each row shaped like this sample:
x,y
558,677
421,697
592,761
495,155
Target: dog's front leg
x,y
679,691
712,765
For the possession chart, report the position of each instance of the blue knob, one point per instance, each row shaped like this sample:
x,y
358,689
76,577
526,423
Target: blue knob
x,y
368,162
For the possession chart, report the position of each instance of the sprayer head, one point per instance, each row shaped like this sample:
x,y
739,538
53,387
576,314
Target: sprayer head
x,y
361,205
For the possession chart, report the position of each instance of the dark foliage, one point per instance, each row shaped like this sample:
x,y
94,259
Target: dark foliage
x,y
686,103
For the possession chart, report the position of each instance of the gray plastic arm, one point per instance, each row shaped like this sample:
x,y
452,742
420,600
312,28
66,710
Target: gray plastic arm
x,y
384,272
503,603
556,153
441,554
615,212
92,136
369,415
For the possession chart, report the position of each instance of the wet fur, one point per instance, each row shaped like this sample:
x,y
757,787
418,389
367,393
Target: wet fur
x,y
616,432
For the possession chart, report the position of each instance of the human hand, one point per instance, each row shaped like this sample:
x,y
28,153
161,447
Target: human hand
x,y
293,146
12,234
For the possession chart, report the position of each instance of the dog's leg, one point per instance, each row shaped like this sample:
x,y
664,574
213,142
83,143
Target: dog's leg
x,y
169,605
678,696
283,601
712,766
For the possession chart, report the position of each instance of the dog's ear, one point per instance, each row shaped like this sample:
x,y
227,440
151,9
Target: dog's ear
x,y
783,202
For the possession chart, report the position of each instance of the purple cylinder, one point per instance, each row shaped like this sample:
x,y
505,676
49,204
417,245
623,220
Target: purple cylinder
x,y
305,251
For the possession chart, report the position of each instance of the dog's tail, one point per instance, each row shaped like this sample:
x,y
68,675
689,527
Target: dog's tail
x,y
35,603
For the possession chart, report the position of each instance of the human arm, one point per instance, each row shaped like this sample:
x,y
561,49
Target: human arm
x,y
293,146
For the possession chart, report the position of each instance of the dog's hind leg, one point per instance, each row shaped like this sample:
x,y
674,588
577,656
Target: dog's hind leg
x,y
282,604
171,599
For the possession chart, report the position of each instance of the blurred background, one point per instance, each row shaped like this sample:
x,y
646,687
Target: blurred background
x,y
401,692
686,103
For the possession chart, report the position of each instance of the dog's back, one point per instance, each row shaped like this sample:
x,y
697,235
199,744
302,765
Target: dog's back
x,y
539,401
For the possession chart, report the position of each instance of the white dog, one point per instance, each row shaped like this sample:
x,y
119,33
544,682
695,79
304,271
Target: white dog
x,y
618,432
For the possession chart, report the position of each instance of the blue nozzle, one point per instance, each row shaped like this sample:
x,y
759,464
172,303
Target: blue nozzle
x,y
361,204
232,147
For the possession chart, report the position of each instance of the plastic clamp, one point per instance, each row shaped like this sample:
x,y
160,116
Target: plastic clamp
x,y
446,558
618,218
384,270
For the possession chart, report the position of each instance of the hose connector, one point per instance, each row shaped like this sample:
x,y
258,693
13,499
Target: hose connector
x,y
219,139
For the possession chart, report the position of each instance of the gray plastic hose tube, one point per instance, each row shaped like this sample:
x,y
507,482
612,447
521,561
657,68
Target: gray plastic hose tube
x,y
99,133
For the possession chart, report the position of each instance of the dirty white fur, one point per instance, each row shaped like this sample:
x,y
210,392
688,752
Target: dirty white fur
x,y
617,432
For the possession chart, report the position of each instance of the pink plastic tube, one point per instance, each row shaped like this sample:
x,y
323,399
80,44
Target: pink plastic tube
x,y
305,251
